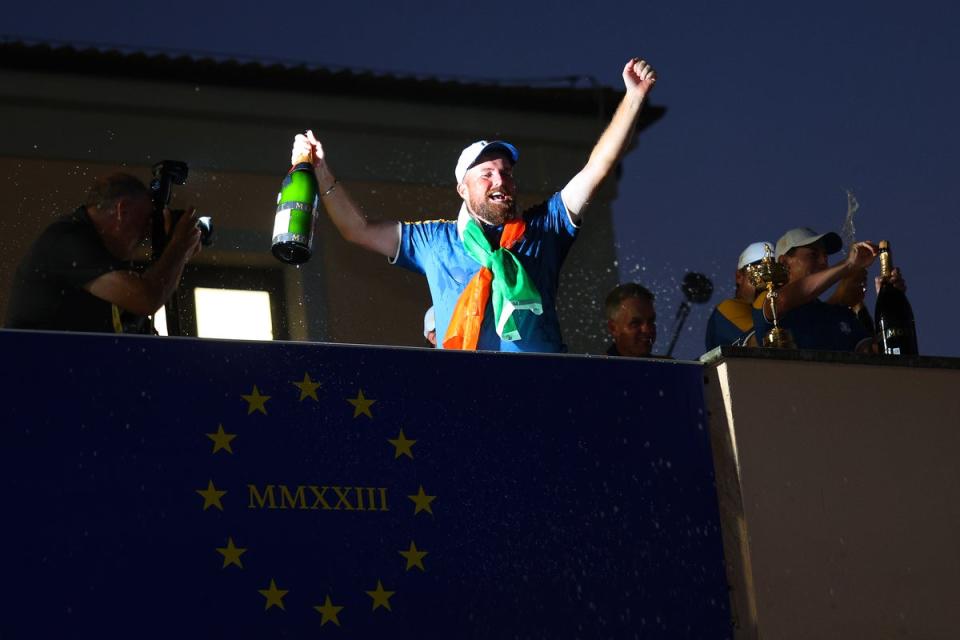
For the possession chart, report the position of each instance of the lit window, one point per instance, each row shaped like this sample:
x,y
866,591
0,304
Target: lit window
x,y
233,313
160,321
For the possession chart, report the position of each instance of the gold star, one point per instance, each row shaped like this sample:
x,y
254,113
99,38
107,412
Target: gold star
x,y
221,440
308,388
422,501
402,445
414,557
381,597
329,612
211,497
273,595
256,402
361,405
231,554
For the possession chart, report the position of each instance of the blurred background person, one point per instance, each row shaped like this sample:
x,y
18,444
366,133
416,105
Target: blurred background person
x,y
631,320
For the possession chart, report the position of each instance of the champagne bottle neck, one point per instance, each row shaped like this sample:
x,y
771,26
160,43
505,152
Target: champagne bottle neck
x,y
886,260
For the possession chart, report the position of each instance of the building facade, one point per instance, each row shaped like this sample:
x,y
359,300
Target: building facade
x,y
68,115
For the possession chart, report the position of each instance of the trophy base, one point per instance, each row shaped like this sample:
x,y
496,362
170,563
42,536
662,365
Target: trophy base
x,y
779,338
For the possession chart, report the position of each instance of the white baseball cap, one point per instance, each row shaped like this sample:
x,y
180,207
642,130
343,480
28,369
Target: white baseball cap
x,y
469,156
804,236
754,253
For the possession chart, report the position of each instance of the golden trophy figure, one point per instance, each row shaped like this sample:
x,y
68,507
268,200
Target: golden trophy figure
x,y
771,275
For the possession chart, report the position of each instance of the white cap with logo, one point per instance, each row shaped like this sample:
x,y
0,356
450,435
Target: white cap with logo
x,y
470,155
804,236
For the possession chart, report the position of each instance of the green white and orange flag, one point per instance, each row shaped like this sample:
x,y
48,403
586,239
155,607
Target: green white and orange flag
x,y
501,276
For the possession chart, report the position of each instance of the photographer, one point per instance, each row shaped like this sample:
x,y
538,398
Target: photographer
x,y
78,275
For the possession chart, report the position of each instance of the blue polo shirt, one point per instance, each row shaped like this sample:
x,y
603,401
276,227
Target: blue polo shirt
x,y
434,248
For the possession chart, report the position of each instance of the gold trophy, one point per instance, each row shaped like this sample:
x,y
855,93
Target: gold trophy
x,y
771,275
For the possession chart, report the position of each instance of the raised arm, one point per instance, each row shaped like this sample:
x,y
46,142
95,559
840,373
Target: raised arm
x,y
799,292
382,237
638,78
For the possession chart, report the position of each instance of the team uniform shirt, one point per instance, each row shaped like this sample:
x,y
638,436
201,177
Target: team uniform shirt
x,y
435,249
48,288
730,322
815,325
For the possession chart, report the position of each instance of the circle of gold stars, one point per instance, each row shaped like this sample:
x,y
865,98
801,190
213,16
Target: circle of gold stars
x,y
231,553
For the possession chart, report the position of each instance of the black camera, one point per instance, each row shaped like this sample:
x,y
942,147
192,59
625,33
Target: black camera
x,y
204,223
166,174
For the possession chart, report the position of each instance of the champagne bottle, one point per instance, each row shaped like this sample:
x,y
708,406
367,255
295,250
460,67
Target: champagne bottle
x,y
296,210
896,332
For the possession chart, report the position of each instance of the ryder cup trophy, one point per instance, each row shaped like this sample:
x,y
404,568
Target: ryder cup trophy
x,y
771,275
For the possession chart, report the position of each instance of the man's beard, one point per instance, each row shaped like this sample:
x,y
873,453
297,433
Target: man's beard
x,y
493,213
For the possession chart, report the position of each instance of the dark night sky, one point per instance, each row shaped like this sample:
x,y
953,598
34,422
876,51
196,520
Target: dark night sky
x,y
774,110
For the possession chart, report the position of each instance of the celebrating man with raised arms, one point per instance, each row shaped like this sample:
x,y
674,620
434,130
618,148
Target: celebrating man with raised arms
x,y
493,273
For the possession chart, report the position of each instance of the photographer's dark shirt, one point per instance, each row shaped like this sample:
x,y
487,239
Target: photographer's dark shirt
x,y
48,288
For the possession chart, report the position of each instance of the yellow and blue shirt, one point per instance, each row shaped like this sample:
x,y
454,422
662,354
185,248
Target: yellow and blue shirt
x,y
730,322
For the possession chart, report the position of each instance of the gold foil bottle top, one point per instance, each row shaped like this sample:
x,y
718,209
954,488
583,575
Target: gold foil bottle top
x,y
886,262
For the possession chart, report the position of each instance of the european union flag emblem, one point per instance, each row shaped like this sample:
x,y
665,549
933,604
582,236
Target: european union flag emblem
x,y
191,488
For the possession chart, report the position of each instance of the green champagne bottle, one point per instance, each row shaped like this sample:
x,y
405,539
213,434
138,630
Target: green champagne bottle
x,y
296,210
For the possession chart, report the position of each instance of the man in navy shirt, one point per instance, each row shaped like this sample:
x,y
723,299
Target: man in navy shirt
x,y
493,273
826,326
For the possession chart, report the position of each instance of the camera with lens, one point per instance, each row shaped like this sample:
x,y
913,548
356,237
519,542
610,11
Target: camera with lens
x,y
166,174
204,223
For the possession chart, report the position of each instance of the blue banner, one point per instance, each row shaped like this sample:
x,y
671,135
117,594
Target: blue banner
x,y
198,488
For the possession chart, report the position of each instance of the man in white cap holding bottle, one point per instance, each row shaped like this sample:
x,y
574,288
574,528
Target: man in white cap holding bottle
x,y
732,320
812,323
493,273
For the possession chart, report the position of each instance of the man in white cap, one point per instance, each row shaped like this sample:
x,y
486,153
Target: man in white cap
x,y
493,273
813,324
732,320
